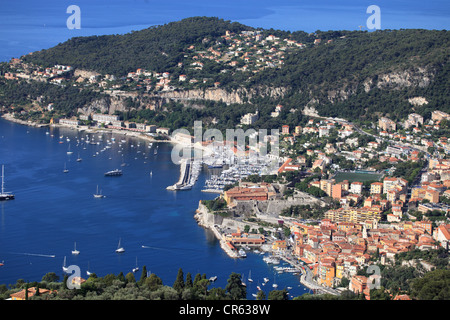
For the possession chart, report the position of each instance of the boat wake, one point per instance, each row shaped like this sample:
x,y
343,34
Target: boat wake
x,y
169,249
36,254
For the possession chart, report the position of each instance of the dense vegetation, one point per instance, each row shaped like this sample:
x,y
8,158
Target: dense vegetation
x,y
147,287
158,48
395,279
64,99
345,65
345,77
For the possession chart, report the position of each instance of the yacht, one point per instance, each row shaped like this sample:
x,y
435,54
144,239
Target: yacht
x,y
115,172
242,253
119,248
5,195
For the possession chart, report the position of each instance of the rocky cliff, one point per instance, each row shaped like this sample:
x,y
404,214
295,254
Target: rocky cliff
x,y
116,101
217,94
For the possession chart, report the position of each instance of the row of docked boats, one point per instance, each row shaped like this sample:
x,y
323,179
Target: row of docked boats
x,y
271,260
189,173
231,176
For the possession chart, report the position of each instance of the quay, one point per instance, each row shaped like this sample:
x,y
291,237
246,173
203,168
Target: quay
x,y
306,277
185,176
212,191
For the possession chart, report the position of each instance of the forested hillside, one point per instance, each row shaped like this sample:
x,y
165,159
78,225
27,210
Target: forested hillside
x,y
348,74
367,74
157,48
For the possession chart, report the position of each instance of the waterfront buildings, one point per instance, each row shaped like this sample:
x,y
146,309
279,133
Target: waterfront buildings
x,y
104,118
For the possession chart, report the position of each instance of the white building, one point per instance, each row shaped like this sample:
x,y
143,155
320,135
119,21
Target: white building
x,y
250,118
356,187
104,118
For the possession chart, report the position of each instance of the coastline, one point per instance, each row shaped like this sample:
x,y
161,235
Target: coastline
x,y
209,221
203,218
9,117
134,134
206,220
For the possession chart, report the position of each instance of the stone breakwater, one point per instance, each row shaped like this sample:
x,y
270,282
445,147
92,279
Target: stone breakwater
x,y
211,221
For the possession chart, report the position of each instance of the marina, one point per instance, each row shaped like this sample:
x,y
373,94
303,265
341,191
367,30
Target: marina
x,y
232,173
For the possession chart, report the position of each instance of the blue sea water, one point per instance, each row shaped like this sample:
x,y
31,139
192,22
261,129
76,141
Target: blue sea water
x,y
27,26
53,210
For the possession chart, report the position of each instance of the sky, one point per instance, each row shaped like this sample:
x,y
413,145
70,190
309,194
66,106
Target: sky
x,y
30,25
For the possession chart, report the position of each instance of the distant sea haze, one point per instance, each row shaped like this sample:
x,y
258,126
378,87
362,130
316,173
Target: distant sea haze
x,y
27,26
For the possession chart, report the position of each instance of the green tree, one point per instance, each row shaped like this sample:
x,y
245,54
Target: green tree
x,y
189,283
278,295
435,285
143,275
50,277
217,294
234,287
153,282
261,295
179,281
26,292
379,294
129,278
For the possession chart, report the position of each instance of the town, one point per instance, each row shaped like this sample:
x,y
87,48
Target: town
x,y
368,204
341,196
248,51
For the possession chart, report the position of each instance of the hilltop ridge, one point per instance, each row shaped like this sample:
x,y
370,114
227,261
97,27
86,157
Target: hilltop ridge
x,y
207,63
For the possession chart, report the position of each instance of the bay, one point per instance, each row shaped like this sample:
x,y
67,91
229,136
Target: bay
x,y
53,210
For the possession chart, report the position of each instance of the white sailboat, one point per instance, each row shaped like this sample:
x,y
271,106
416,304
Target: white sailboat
x,y
136,269
68,150
65,269
79,158
250,276
119,248
274,283
75,251
98,194
65,168
88,272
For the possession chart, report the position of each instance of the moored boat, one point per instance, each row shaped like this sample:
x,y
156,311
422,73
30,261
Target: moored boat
x,y
112,173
